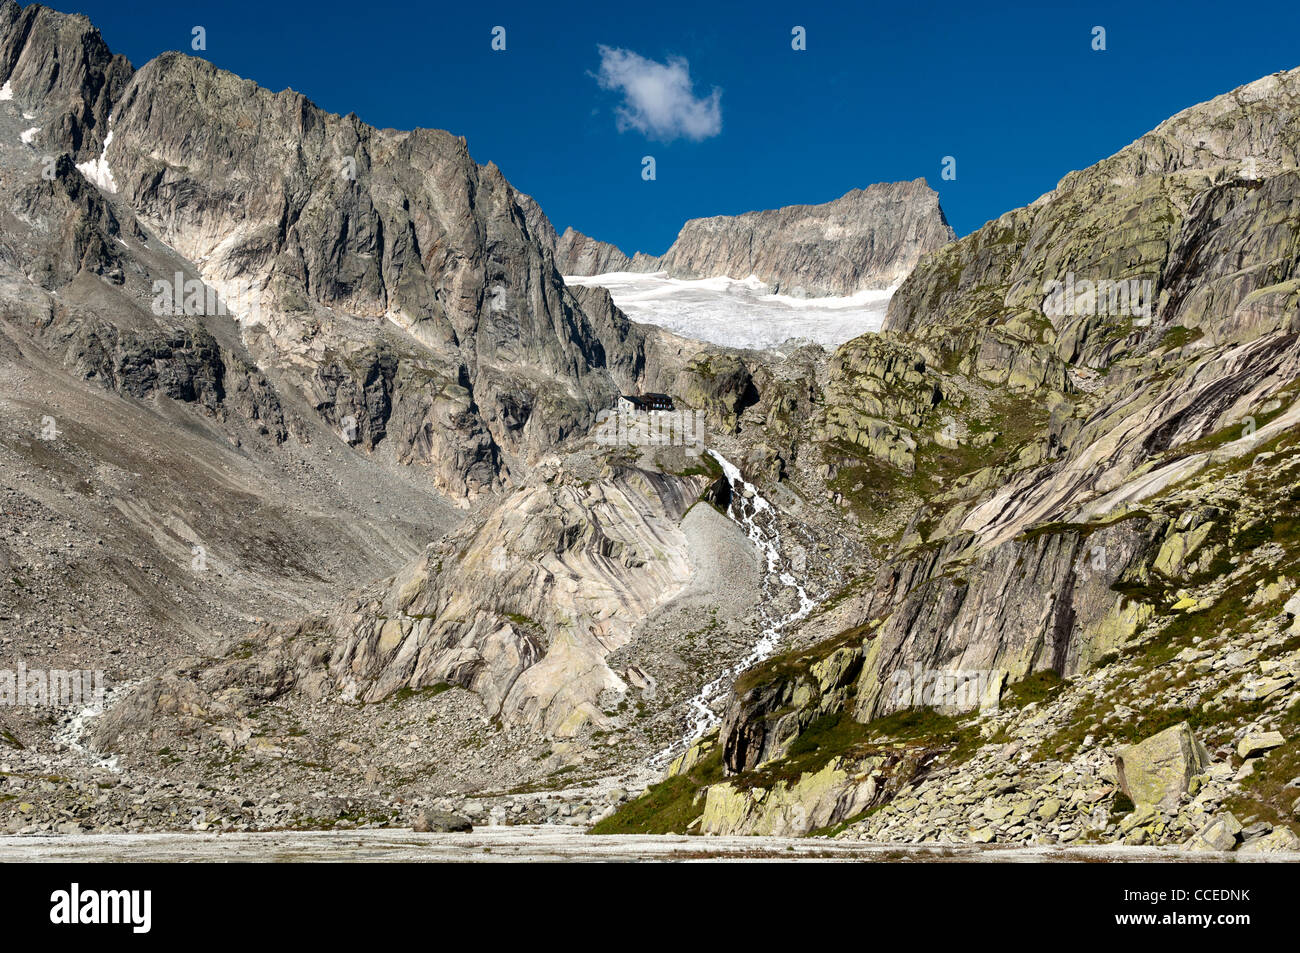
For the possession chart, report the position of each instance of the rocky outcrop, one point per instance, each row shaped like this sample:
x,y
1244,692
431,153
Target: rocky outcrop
x,y
794,808
879,395
441,822
718,384
773,703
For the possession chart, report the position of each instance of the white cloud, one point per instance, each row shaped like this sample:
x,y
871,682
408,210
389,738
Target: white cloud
x,y
658,100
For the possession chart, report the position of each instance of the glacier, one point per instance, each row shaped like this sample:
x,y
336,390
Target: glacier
x,y
740,312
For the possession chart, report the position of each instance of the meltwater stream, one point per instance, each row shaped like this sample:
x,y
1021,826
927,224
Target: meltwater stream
x,y
746,507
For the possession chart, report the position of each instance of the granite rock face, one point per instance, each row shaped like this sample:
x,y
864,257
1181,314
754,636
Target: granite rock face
x,y
1069,490
524,608
62,62
867,238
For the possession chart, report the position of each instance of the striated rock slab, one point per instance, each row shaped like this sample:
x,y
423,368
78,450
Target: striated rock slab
x,y
524,609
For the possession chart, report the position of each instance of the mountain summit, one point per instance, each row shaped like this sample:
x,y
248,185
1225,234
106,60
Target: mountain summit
x,y
867,239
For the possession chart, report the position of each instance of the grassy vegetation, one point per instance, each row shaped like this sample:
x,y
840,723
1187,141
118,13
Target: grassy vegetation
x,y
840,735
1040,687
1179,336
674,804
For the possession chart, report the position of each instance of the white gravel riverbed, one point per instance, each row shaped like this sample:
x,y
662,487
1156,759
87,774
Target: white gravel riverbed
x,y
537,843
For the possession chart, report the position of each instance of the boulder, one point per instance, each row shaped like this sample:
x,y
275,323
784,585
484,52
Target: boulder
x,y
441,822
720,385
1257,742
1158,770
1219,834
1281,839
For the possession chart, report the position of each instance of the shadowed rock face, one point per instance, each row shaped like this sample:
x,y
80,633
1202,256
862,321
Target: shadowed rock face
x,y
867,239
62,62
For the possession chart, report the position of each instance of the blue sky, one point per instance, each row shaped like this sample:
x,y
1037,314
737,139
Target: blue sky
x,y
1013,91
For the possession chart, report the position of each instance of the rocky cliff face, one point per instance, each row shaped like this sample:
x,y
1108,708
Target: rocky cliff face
x,y
869,238
525,610
367,265
1107,443
61,62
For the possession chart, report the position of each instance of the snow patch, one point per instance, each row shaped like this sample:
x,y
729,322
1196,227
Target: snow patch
x,y
30,134
97,170
6,91
740,313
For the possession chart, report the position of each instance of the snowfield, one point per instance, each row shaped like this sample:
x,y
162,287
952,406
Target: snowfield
x,y
740,313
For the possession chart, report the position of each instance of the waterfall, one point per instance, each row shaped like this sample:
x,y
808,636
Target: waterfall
x,y
746,509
